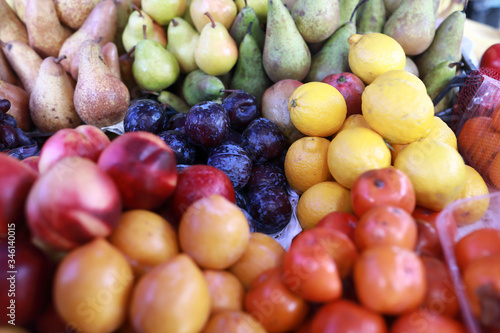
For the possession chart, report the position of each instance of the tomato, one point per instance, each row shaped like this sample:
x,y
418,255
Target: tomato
x,y
386,225
428,242
423,321
491,57
389,186
390,280
347,316
479,243
226,291
273,305
422,213
233,321
341,221
309,269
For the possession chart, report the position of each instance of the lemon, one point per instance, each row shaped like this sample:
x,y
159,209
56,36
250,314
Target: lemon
x,y
436,170
317,109
373,54
321,199
472,211
354,151
397,110
442,132
354,120
405,75
306,163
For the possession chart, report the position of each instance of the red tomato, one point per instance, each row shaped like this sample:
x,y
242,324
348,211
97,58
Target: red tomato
x,y
270,302
491,57
423,321
340,221
479,243
428,243
425,214
376,187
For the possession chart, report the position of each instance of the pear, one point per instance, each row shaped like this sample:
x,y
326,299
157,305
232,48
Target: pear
x,y
346,8
100,25
20,9
6,73
133,32
45,32
199,86
437,79
250,75
316,20
371,17
182,41
123,11
10,3
51,101
112,58
159,34
100,98
24,61
74,12
216,52
285,55
391,6
126,62
240,25
163,11
411,66
11,27
259,6
19,100
412,25
222,11
172,100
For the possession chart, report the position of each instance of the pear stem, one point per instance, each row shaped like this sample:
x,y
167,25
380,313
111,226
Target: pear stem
x,y
151,92
134,7
246,3
250,28
174,22
99,40
356,9
129,53
58,60
144,35
465,6
2,43
211,19
456,64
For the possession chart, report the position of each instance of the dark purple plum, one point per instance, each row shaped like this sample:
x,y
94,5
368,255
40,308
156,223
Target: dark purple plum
x,y
242,109
144,115
207,124
176,123
4,105
263,139
241,200
266,174
250,220
233,137
184,151
234,161
270,208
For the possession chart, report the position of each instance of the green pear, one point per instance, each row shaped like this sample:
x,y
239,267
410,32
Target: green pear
x,y
216,52
259,6
171,99
123,11
162,11
222,11
437,79
133,31
240,26
346,8
316,20
371,17
182,41
199,86
286,54
154,68
249,74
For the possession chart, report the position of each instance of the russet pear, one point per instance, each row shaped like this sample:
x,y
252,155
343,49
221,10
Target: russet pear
x,y
24,61
19,100
111,56
6,73
11,27
74,12
20,9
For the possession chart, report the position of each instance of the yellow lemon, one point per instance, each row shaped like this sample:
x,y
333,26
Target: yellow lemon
x,y
442,132
354,151
405,75
372,54
354,120
397,110
436,170
321,199
306,163
317,109
472,211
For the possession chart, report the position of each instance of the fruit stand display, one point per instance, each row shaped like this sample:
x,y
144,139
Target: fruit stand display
x,y
248,166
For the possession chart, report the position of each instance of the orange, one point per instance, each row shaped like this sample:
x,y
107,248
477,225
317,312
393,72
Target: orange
x,y
306,163
321,199
494,172
496,118
482,154
470,133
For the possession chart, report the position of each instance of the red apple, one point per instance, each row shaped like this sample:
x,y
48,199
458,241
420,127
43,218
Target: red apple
x,y
143,167
84,141
16,180
199,181
32,162
72,203
351,87
491,57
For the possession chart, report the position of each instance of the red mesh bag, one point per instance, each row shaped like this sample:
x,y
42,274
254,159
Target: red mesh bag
x,y
476,121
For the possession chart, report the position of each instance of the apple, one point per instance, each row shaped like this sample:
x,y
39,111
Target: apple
x,y
72,203
32,162
143,168
491,57
16,179
350,87
84,141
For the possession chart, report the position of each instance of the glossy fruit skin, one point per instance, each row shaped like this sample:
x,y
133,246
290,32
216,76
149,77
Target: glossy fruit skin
x,y
270,208
185,152
233,321
347,316
263,139
382,186
491,57
340,221
242,109
477,244
423,321
350,87
273,305
226,291
234,161
144,115
264,174
176,123
428,242
207,124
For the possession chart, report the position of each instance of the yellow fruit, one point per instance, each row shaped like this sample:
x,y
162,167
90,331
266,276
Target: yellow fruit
x,y
397,110
442,132
317,109
321,199
372,54
436,170
354,151
405,75
472,211
305,163
395,150
354,120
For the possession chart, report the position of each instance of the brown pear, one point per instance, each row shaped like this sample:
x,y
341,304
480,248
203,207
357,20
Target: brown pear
x,y
126,61
45,32
19,100
101,99
11,27
112,58
6,73
24,61
74,12
51,101
20,9
99,25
